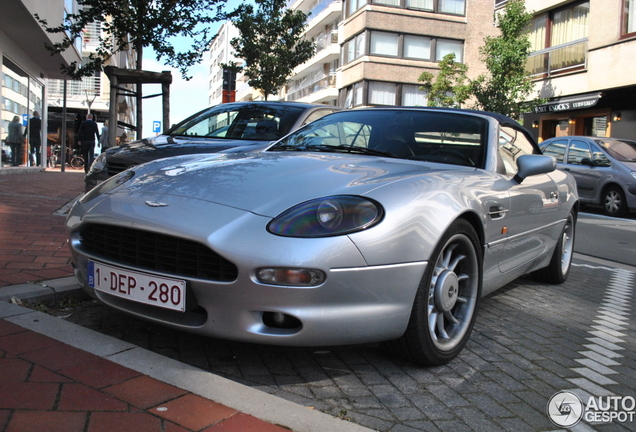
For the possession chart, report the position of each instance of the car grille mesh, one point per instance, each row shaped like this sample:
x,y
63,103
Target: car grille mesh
x,y
159,252
113,168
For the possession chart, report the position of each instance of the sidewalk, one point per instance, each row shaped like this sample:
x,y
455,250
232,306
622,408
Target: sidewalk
x,y
57,376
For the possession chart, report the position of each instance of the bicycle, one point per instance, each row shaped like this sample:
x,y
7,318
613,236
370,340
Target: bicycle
x,y
76,161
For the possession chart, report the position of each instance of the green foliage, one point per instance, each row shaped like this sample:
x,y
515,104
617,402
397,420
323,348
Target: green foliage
x,y
139,24
450,88
507,86
270,43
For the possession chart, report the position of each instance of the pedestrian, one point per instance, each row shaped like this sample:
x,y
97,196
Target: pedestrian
x,y
86,135
34,131
14,139
104,139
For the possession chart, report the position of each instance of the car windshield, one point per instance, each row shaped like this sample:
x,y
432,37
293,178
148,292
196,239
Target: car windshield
x,y
244,122
432,136
622,150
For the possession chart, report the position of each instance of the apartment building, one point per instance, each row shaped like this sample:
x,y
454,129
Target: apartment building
x,y
222,85
387,44
315,81
584,52
26,65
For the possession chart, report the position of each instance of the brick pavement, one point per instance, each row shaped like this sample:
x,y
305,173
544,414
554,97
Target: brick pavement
x,y
530,341
56,376
32,238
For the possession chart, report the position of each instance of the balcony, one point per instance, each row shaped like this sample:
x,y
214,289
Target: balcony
x,y
558,59
325,40
75,89
319,81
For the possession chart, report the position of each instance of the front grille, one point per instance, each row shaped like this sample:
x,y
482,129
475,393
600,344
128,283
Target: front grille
x,y
158,252
113,168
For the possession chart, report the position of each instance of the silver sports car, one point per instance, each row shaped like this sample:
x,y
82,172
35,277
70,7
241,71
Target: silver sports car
x,y
368,225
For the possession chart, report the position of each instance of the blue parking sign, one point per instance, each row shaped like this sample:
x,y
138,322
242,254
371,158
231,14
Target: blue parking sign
x,y
156,126
25,119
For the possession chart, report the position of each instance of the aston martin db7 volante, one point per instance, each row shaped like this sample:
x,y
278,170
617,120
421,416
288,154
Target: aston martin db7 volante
x,y
367,225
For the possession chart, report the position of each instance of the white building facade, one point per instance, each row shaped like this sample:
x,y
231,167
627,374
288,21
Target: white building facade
x,y
27,66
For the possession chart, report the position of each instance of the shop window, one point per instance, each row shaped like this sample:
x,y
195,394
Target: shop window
x,y
559,40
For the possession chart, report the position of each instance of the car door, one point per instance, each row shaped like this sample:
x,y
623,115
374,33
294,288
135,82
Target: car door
x,y
533,204
578,162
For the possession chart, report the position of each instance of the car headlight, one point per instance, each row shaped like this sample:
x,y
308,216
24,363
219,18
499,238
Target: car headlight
x,y
98,165
107,185
329,216
633,173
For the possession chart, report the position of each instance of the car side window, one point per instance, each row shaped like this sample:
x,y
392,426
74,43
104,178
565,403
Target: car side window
x,y
598,157
512,144
578,151
556,149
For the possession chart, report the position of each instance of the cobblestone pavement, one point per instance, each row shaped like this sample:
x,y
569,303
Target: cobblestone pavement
x,y
530,342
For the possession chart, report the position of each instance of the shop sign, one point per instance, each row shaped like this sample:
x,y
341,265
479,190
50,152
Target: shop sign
x,y
566,105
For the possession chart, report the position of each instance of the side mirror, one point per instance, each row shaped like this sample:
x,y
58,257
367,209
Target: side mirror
x,y
529,165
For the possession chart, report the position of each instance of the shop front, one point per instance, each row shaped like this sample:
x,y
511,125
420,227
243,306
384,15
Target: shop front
x,y
607,113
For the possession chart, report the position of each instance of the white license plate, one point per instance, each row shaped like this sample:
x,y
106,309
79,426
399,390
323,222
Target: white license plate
x,y
140,287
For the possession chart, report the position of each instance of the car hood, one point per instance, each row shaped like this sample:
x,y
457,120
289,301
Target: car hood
x,y
270,182
163,146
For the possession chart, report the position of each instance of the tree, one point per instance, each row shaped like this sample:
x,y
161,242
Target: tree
x,y
138,24
450,88
506,88
270,43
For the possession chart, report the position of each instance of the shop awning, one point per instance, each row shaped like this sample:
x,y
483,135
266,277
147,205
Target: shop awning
x,y
568,103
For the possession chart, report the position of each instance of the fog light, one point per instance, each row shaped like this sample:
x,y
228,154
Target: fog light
x,y
280,320
289,276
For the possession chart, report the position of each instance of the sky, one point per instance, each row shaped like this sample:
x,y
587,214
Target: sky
x,y
186,97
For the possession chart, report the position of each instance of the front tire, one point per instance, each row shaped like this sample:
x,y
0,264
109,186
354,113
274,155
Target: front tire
x,y
445,306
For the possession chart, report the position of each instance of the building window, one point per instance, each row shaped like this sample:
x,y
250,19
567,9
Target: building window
x,y
450,7
353,5
402,46
629,16
413,96
420,4
354,48
381,93
446,46
417,47
559,40
454,7
384,43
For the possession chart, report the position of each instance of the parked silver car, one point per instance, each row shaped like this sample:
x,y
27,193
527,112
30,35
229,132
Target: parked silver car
x,y
604,169
366,225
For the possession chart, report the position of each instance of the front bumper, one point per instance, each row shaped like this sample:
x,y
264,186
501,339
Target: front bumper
x,y
356,303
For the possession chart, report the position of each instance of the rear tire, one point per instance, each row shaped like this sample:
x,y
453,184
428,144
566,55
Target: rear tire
x,y
559,268
446,303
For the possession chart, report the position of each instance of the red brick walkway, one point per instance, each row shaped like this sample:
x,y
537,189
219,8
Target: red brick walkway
x,y
32,239
50,386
